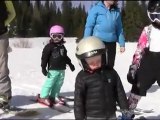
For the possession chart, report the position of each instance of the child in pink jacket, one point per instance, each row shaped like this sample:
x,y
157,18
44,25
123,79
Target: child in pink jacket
x,y
145,68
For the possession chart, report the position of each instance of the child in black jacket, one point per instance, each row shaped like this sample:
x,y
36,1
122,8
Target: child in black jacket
x,y
54,57
97,88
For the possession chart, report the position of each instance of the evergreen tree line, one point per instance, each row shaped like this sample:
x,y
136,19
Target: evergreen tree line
x,y
134,18
35,19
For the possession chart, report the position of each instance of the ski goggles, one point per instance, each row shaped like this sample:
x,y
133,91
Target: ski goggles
x,y
154,16
57,36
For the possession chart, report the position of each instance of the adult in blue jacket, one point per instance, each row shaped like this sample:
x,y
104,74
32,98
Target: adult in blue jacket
x,y
104,22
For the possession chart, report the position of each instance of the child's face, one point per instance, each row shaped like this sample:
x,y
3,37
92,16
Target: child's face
x,y
94,62
57,37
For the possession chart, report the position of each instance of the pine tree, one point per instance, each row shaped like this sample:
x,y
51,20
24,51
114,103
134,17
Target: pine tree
x,y
53,18
67,21
132,20
36,25
23,18
45,17
58,17
144,13
79,21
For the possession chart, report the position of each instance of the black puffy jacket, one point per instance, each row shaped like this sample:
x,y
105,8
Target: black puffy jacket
x,y
96,94
54,56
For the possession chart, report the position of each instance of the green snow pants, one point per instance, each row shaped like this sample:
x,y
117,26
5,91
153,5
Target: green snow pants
x,y
5,82
53,84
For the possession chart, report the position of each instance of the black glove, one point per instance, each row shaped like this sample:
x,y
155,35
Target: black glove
x,y
44,71
72,67
131,76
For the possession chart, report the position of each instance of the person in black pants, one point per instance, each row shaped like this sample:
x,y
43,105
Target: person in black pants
x,y
145,68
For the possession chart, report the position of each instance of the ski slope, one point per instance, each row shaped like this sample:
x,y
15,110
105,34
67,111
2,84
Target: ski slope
x,y
27,79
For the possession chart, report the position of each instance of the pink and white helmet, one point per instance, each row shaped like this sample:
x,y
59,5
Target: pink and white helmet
x,y
56,29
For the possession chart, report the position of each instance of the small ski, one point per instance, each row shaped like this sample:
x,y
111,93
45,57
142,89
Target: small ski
x,y
66,98
141,118
68,101
20,111
60,108
135,112
139,111
144,110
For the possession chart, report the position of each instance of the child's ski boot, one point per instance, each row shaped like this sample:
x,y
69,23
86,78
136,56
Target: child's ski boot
x,y
4,104
60,105
57,100
44,101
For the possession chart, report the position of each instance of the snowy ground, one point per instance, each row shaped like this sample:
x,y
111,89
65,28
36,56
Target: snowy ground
x,y
27,79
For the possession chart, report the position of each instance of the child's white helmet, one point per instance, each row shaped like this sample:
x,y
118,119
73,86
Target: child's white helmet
x,y
89,47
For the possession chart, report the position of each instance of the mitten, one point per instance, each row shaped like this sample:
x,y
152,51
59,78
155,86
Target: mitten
x,y
72,67
44,71
131,76
127,115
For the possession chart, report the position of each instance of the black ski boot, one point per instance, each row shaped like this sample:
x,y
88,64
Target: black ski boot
x,y
5,106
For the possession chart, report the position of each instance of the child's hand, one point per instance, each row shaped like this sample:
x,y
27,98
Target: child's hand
x,y
44,71
72,67
122,49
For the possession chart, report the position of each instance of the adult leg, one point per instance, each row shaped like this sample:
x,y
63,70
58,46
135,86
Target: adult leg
x,y
5,82
111,50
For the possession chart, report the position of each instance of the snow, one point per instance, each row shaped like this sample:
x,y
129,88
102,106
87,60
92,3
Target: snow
x,y
27,79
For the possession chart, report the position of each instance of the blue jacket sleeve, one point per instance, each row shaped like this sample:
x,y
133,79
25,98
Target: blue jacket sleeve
x,y
90,22
120,34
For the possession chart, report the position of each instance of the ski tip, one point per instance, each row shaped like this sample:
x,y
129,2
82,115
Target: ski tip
x,y
27,113
141,118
